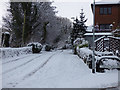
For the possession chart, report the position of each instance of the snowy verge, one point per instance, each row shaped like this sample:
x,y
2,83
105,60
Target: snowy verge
x,y
103,60
85,52
12,52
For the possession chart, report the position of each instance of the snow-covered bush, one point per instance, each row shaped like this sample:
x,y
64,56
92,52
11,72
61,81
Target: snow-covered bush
x,y
48,47
84,52
79,43
107,62
116,32
36,47
103,60
67,46
11,52
83,43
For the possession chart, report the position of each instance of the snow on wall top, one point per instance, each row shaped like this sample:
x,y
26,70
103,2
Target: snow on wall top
x,y
7,33
12,52
99,34
108,2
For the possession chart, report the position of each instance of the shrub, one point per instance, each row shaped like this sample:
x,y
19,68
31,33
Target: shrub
x,y
36,47
48,47
84,45
80,43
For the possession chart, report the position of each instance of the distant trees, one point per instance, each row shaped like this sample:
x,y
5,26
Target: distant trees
x,y
34,22
79,27
29,10
21,20
44,31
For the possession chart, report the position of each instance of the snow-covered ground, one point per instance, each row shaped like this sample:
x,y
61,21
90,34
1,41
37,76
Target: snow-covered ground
x,y
56,69
12,52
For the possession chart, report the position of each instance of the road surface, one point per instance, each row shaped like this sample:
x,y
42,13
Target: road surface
x,y
56,69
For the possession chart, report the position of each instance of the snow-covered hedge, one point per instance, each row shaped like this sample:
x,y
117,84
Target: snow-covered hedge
x,y
84,52
11,52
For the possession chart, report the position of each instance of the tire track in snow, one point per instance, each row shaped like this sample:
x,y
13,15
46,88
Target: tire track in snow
x,y
41,66
35,58
37,69
15,60
21,65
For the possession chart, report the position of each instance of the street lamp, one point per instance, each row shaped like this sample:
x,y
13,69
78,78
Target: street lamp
x,y
93,58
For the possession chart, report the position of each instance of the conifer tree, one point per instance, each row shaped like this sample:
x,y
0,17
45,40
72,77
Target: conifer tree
x,y
21,20
83,21
79,27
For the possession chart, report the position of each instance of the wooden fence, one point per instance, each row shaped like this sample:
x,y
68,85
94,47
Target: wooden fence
x,y
99,43
114,44
109,43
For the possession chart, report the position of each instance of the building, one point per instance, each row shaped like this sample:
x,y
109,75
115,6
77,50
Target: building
x,y
107,19
107,15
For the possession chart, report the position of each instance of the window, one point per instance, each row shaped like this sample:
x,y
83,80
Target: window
x,y
104,26
101,10
105,10
109,11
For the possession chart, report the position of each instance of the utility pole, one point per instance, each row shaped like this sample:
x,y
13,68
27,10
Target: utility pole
x,y
93,58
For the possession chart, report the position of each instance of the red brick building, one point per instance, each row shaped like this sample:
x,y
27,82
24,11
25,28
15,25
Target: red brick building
x,y
107,15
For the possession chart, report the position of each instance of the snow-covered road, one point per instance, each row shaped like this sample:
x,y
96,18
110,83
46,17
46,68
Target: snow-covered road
x,y
56,69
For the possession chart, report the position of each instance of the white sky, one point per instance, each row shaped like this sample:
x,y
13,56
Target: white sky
x,y
72,8
2,11
65,8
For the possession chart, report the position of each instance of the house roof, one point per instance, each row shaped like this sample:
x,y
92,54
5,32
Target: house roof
x,y
105,2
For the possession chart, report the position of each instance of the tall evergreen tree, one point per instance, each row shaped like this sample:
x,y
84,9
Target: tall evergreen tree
x,y
23,16
30,18
76,30
29,23
79,27
83,21
14,22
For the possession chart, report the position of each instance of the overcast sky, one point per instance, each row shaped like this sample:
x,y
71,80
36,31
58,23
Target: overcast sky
x,y
72,8
65,8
